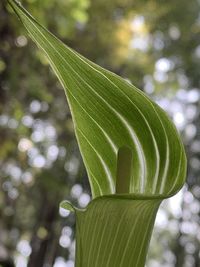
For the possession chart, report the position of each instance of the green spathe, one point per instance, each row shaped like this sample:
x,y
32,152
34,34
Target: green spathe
x,y
132,152
109,113
114,231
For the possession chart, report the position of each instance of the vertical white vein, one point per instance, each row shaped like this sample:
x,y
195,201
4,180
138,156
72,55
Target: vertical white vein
x,y
178,173
96,181
139,152
120,222
93,229
142,242
104,165
114,147
127,125
123,257
112,144
156,176
101,239
164,176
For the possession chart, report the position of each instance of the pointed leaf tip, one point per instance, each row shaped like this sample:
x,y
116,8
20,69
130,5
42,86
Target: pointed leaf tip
x,y
108,114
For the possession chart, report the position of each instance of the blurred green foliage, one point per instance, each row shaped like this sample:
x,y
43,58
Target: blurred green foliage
x,y
156,45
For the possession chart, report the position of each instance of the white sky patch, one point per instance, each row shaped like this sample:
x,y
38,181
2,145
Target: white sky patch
x,y
52,152
65,241
163,103
28,121
27,177
193,95
161,219
70,263
76,190
72,165
175,203
140,42
24,144
15,172
35,106
20,261
148,84
179,120
12,123
190,131
174,32
83,200
4,120
67,231
39,161
163,65
182,95
160,76
63,212
37,136
50,132
141,39
197,51
24,248
137,23
191,111
60,262
21,41
176,106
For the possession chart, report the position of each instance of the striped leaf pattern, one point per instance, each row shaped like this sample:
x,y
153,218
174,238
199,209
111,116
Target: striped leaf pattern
x,y
114,231
132,152
109,113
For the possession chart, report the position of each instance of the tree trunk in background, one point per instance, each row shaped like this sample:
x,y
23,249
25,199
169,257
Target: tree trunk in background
x,y
43,237
196,259
6,263
179,252
178,249
7,36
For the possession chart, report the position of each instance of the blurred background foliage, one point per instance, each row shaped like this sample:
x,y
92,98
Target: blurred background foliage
x,y
153,43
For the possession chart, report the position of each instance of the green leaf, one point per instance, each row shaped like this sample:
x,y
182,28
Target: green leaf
x,y
108,114
115,231
131,150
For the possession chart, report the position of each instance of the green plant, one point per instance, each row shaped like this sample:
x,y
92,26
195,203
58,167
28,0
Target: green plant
x,y
132,152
